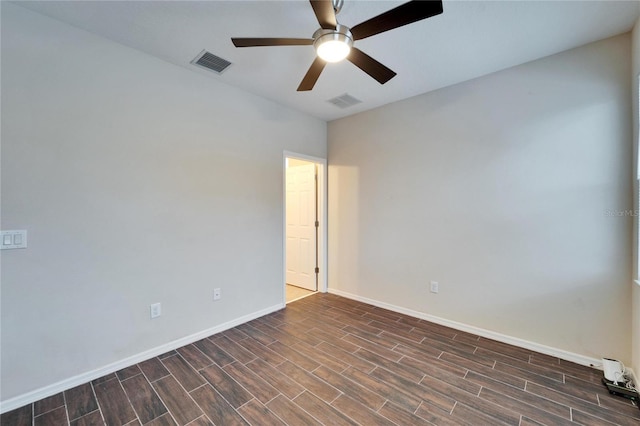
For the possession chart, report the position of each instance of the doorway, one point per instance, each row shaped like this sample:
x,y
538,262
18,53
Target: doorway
x,y
304,226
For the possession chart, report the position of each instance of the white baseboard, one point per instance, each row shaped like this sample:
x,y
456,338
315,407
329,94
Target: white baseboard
x,y
38,394
547,350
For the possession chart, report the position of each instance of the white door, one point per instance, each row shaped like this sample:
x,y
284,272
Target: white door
x,y
301,229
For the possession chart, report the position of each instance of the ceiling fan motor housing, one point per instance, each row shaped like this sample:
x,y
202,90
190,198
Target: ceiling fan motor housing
x,y
341,35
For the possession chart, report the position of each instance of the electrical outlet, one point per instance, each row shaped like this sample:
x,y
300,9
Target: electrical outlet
x,y
217,294
156,310
434,287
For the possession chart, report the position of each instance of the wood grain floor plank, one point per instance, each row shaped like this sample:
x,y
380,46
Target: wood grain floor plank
x,y
436,416
80,401
401,417
461,352
589,420
358,412
183,372
201,421
163,420
603,413
213,351
255,385
275,378
561,397
320,410
351,388
300,333
277,334
428,328
114,403
388,391
433,371
195,357
430,356
335,338
542,403
525,375
22,416
521,407
397,330
234,334
437,392
348,357
153,369
310,382
90,419
483,416
257,414
403,370
525,421
290,412
619,405
521,365
293,355
128,372
328,330
177,400
235,350
231,390
57,416
261,351
143,398
318,356
372,347
503,349
484,370
48,404
367,331
253,332
104,378
217,409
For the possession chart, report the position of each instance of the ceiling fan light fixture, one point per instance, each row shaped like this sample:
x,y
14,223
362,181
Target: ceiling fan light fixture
x,y
333,45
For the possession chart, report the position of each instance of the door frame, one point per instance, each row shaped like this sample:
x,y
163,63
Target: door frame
x,y
321,163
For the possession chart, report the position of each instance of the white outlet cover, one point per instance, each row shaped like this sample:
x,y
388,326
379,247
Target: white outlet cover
x,y
434,287
156,310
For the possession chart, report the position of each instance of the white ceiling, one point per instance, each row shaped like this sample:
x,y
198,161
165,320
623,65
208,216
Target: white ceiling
x,y
470,39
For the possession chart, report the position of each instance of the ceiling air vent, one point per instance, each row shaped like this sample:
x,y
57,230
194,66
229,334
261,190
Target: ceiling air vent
x,y
211,62
344,101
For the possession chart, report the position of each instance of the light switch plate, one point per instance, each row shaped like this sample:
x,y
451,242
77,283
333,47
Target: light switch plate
x,y
13,239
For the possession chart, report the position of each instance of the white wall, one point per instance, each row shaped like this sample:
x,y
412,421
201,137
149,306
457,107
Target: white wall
x,y
496,188
138,182
635,95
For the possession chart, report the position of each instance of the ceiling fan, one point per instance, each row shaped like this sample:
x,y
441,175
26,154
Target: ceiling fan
x,y
334,42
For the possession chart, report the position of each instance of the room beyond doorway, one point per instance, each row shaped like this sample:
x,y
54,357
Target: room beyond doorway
x,y
305,224
294,293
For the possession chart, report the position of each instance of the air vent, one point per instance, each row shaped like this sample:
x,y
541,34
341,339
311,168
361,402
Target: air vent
x,y
211,62
344,101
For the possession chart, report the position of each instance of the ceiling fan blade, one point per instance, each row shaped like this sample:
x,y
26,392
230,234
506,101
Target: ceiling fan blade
x,y
369,65
325,13
312,75
254,42
404,14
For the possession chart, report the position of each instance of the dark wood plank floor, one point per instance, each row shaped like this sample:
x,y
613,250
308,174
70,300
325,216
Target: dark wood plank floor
x,y
330,360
